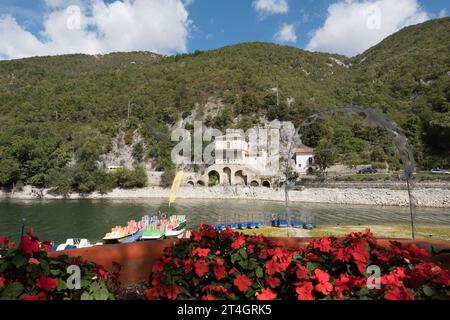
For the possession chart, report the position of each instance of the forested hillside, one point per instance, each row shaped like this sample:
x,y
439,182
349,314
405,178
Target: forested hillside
x,y
58,115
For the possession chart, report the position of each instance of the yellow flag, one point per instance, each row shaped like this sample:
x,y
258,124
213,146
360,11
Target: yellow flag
x,y
175,186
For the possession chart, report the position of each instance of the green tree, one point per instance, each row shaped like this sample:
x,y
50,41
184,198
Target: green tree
x,y
324,156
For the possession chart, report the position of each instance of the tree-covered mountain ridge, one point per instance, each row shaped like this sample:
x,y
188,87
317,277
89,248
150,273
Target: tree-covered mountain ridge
x,y
60,115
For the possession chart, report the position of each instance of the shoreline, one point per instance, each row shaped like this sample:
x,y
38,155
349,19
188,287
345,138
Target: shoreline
x,y
426,197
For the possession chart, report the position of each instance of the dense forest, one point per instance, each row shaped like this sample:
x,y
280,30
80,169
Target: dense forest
x,y
59,114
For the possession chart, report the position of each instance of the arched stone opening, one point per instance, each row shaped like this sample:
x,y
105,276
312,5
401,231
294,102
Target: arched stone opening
x,y
310,171
214,178
191,183
239,178
254,183
227,172
266,184
200,183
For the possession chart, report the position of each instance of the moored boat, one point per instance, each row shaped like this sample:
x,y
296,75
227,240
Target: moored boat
x,y
176,226
120,234
74,244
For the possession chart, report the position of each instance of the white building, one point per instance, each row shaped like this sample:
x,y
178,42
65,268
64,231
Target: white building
x,y
234,149
304,160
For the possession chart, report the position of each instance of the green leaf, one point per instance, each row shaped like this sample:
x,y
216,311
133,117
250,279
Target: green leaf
x,y
45,266
61,285
259,272
243,264
252,264
12,291
429,291
86,296
243,253
312,266
363,292
101,294
235,257
19,260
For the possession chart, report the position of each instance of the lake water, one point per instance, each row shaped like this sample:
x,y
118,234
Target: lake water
x,y
91,219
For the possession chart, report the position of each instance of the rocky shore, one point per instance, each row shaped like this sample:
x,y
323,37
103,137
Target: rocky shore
x,y
426,197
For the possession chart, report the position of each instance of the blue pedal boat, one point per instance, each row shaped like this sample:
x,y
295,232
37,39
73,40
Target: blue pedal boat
x,y
297,224
243,225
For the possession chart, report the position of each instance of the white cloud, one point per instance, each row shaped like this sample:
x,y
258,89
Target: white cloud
x,y
353,26
286,34
100,27
442,13
271,6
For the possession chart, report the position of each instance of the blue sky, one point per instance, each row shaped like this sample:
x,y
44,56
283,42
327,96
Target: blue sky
x,y
47,27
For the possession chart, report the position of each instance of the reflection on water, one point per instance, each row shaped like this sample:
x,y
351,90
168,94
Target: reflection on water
x,y
58,220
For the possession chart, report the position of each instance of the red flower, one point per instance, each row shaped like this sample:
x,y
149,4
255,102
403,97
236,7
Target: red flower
x,y
324,286
323,245
32,235
39,296
6,241
302,272
46,283
242,282
172,292
418,252
101,271
398,293
227,233
321,276
208,297
29,245
360,255
273,282
304,291
196,236
263,255
266,294
201,267
158,266
275,264
2,282
188,265
219,289
219,270
200,252
152,293
239,242
341,285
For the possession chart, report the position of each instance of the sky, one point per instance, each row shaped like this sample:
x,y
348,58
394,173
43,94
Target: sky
x,y
348,27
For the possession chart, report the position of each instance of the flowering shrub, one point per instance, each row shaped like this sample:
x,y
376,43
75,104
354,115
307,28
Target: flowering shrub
x,y
228,265
27,273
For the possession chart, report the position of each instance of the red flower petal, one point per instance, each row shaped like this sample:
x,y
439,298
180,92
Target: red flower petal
x,y
242,282
266,294
238,243
28,245
304,291
273,282
152,294
46,283
201,267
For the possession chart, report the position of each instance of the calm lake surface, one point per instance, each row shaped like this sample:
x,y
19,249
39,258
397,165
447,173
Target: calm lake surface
x,y
91,219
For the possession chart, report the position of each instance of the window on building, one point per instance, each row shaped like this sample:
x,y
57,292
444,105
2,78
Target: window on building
x,y
310,161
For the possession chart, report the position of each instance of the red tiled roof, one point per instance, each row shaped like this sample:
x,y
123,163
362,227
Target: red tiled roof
x,y
304,150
